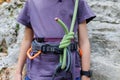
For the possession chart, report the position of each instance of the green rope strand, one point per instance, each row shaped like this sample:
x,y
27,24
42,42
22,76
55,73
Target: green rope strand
x,y
62,25
68,35
74,16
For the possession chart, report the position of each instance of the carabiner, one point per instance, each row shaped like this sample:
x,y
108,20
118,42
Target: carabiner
x,y
32,57
80,52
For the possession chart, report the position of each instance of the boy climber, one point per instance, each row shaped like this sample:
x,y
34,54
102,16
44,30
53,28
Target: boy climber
x,y
44,37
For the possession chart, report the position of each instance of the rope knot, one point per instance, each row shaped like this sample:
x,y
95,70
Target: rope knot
x,y
66,40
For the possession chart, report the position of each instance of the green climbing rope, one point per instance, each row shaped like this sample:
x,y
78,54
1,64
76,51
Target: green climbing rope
x,y
68,35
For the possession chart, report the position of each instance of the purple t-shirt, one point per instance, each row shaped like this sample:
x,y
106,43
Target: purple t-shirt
x,y
39,15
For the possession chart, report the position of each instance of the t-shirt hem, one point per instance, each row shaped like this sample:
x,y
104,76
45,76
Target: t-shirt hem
x,y
87,18
23,23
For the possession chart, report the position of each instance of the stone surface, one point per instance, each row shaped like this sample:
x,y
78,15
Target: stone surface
x,y
104,34
11,33
105,59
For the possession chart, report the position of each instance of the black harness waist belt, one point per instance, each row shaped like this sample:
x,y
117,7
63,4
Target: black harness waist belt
x,y
51,48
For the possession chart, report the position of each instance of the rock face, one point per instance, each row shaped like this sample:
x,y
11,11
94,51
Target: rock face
x,y
11,34
104,34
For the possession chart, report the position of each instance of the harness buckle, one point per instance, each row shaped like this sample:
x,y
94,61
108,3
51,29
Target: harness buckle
x,y
48,48
44,48
73,46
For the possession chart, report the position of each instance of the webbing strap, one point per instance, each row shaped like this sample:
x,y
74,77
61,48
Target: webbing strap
x,y
54,48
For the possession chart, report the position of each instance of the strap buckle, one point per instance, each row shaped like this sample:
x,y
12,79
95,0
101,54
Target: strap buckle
x,y
48,48
39,40
73,46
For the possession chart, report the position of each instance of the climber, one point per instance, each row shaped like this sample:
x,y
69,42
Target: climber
x,y
45,36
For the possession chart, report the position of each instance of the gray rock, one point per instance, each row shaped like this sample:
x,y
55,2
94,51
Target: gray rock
x,y
105,38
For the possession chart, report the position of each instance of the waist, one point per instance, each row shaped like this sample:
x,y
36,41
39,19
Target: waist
x,y
51,47
41,40
47,39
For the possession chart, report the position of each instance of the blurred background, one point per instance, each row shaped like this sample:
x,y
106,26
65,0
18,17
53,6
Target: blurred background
x,y
104,34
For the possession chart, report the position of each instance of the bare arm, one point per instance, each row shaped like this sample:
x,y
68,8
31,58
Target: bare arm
x,y
85,46
25,45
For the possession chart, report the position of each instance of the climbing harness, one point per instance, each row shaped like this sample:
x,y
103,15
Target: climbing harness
x,y
37,48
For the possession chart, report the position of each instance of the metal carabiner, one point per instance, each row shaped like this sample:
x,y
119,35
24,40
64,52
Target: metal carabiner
x,y
32,57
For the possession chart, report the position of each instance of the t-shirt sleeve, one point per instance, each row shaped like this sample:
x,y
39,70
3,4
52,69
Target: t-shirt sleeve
x,y
84,12
24,16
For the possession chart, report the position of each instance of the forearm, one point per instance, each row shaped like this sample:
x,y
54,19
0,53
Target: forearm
x,y
22,56
84,45
25,45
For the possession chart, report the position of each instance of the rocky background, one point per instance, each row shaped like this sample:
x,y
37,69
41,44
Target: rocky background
x,y
104,34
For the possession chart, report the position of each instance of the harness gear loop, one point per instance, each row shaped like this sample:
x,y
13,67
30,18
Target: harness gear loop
x,y
32,57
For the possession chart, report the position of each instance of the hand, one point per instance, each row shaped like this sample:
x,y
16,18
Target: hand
x,y
18,77
85,78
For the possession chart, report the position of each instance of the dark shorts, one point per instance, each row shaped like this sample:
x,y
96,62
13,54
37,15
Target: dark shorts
x,y
27,78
